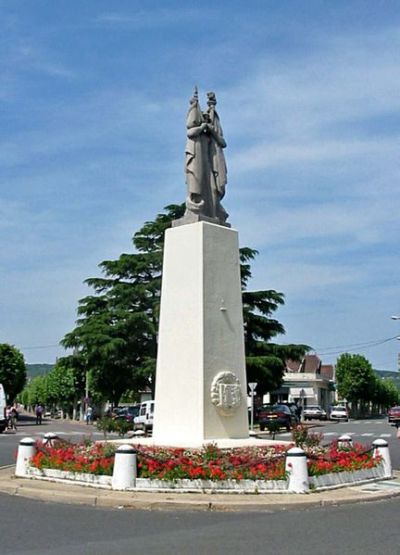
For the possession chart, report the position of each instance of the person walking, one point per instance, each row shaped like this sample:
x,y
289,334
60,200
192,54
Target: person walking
x,y
8,416
89,415
39,414
13,419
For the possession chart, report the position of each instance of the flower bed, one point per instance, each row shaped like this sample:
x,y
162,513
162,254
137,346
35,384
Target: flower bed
x,y
212,463
346,459
250,469
209,463
85,458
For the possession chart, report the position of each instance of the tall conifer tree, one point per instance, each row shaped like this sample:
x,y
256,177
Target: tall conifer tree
x,y
116,331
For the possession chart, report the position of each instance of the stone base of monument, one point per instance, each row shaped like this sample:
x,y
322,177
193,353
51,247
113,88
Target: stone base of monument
x,y
201,391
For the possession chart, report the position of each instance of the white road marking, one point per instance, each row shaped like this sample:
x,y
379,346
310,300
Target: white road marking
x,y
58,433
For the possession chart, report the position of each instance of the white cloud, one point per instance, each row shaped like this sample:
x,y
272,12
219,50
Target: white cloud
x,y
272,154
150,18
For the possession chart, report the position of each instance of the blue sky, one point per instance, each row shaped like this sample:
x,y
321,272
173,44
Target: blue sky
x,y
93,99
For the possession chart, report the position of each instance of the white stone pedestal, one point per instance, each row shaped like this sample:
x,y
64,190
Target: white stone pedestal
x,y
201,390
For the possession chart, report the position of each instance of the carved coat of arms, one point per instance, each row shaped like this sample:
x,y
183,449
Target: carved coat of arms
x,y
226,393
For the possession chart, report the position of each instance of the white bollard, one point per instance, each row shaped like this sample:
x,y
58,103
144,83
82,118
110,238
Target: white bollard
x,y
125,468
381,448
296,466
26,450
345,442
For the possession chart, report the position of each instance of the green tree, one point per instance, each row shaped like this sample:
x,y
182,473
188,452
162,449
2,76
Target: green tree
x,y
36,392
12,370
385,393
66,383
356,380
116,332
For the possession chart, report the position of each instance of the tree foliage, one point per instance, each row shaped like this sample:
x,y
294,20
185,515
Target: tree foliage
x,y
63,387
386,393
359,384
355,377
35,392
12,370
117,326
116,331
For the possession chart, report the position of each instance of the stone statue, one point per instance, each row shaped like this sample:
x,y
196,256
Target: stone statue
x,y
205,166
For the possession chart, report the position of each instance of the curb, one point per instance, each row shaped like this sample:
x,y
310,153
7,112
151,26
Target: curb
x,y
83,495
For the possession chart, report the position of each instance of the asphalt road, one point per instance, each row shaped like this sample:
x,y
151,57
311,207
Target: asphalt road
x,y
362,431
26,427
34,527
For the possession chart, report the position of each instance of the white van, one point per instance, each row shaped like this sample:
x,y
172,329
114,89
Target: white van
x,y
3,406
144,420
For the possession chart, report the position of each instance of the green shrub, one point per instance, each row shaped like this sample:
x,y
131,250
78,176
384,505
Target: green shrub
x,y
273,427
105,425
303,438
108,425
121,426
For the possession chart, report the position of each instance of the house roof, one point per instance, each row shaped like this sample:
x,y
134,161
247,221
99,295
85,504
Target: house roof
x,y
327,370
311,364
293,365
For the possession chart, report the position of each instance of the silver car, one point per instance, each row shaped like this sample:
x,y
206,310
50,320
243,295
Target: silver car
x,y
314,412
339,413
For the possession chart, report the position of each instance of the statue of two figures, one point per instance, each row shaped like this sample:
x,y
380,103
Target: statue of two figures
x,y
205,166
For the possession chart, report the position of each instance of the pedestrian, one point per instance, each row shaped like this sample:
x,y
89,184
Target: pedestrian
x,y
39,414
8,417
13,419
89,415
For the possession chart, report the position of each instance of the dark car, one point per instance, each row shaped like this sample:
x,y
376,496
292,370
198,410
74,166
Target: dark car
x,y
128,413
279,414
295,410
394,415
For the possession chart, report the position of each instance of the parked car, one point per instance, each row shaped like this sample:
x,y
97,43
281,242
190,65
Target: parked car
x,y
144,420
314,412
128,413
281,414
394,415
295,410
339,413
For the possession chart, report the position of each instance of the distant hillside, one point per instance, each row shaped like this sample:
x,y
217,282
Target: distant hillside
x,y
34,370
391,376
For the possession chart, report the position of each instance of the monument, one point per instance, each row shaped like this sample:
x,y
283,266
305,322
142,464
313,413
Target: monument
x,y
201,391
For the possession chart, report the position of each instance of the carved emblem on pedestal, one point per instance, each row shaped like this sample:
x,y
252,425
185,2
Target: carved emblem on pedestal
x,y
226,393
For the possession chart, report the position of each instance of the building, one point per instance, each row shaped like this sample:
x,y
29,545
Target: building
x,y
307,382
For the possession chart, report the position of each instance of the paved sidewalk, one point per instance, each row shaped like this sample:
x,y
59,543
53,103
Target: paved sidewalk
x,y
83,495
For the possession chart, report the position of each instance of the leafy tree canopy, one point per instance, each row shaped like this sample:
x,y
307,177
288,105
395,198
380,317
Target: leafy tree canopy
x,y
355,377
12,370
